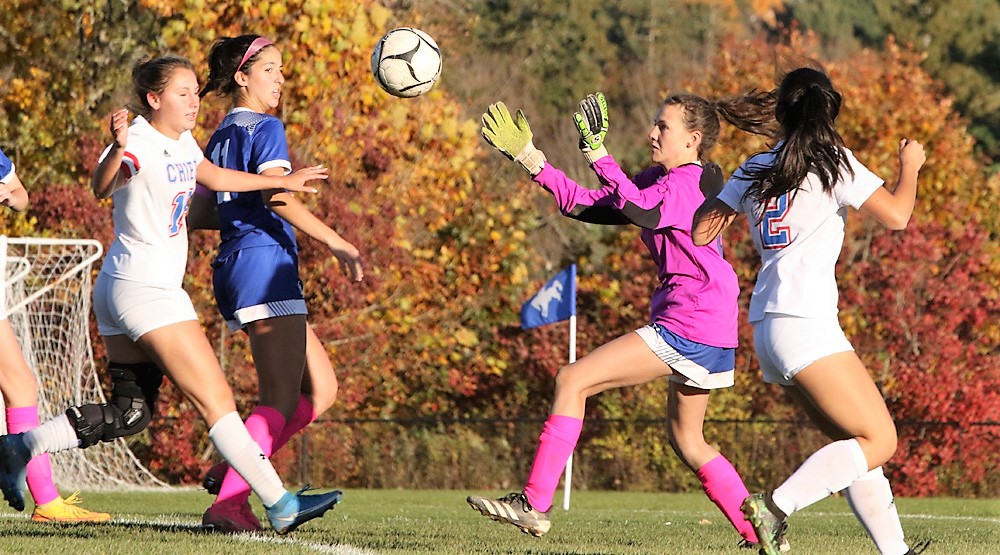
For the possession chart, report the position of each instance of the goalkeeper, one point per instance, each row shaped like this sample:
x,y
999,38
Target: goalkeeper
x,y
692,335
20,391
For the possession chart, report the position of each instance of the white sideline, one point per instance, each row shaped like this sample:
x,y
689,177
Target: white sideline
x,y
807,513
325,549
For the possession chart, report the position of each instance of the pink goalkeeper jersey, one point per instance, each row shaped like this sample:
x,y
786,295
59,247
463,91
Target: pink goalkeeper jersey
x,y
697,295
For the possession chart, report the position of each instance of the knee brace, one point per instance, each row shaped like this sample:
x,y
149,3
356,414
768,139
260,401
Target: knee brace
x,y
134,390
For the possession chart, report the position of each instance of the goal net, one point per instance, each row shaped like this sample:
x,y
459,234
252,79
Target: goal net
x,y
48,298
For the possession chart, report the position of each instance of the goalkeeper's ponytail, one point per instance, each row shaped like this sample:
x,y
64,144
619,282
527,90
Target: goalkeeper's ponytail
x,y
752,112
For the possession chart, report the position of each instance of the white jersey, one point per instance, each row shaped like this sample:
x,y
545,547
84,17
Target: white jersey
x,y
151,241
799,236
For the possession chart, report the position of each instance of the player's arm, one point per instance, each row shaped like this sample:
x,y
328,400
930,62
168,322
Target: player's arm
x,y
710,220
224,179
294,212
108,176
893,210
203,212
13,195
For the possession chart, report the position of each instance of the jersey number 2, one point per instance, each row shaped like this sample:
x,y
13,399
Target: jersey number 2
x,y
773,233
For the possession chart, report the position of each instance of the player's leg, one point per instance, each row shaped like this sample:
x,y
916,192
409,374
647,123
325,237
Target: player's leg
x,y
196,372
841,389
21,400
17,381
814,355
686,408
870,496
319,391
622,362
278,347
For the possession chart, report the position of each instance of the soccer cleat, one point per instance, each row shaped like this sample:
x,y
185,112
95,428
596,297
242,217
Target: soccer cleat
x,y
14,457
250,516
294,510
513,509
212,481
230,517
770,528
783,545
66,510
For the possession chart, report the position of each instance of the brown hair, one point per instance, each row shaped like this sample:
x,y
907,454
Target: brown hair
x,y
152,76
807,107
752,112
224,61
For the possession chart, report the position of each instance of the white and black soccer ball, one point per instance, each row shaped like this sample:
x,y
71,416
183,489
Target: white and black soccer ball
x,y
406,62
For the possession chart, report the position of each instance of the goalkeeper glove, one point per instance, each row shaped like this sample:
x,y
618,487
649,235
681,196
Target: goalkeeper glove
x,y
592,123
512,139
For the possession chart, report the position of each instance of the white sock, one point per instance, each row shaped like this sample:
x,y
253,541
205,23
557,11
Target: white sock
x,y
870,497
825,472
52,436
232,440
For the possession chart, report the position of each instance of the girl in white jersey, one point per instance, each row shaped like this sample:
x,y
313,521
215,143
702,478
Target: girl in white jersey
x,y
795,198
20,390
146,318
256,278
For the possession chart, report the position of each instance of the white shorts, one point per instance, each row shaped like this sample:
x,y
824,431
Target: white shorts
x,y
693,364
785,344
134,309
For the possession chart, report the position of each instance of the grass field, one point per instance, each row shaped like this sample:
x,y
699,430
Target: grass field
x,y
396,522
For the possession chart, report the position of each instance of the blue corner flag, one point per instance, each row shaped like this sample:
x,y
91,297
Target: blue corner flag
x,y
554,303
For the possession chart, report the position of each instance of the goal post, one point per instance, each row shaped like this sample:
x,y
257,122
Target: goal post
x,y
47,293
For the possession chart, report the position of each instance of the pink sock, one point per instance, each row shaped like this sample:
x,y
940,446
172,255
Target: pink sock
x,y
264,424
723,485
304,415
43,490
555,445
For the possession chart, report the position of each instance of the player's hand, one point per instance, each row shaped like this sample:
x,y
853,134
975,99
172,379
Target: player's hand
x,y
349,258
911,152
592,124
711,181
512,138
296,181
119,128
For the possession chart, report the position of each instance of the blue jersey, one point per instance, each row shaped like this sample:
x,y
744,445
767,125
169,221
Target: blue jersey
x,y
251,142
6,168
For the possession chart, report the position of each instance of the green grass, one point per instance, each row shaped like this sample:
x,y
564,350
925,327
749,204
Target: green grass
x,y
398,522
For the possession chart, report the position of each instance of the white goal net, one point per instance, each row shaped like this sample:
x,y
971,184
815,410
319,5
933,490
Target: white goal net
x,y
48,298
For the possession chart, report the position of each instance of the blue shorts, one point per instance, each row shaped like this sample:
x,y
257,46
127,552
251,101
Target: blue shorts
x,y
694,364
257,283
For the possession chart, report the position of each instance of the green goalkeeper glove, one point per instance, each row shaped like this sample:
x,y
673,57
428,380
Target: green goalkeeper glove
x,y
512,139
592,123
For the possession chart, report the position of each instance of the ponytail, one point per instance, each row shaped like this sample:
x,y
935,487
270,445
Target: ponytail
x,y
225,59
806,108
751,112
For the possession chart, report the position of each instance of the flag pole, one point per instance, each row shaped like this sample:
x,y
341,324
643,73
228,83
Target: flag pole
x,y
568,478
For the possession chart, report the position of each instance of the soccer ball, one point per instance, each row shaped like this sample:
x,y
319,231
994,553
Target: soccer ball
x,y
406,62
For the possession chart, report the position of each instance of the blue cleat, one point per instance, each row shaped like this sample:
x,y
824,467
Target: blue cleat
x,y
294,510
14,457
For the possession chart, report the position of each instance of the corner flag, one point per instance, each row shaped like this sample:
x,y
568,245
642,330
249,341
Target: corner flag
x,y
555,302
